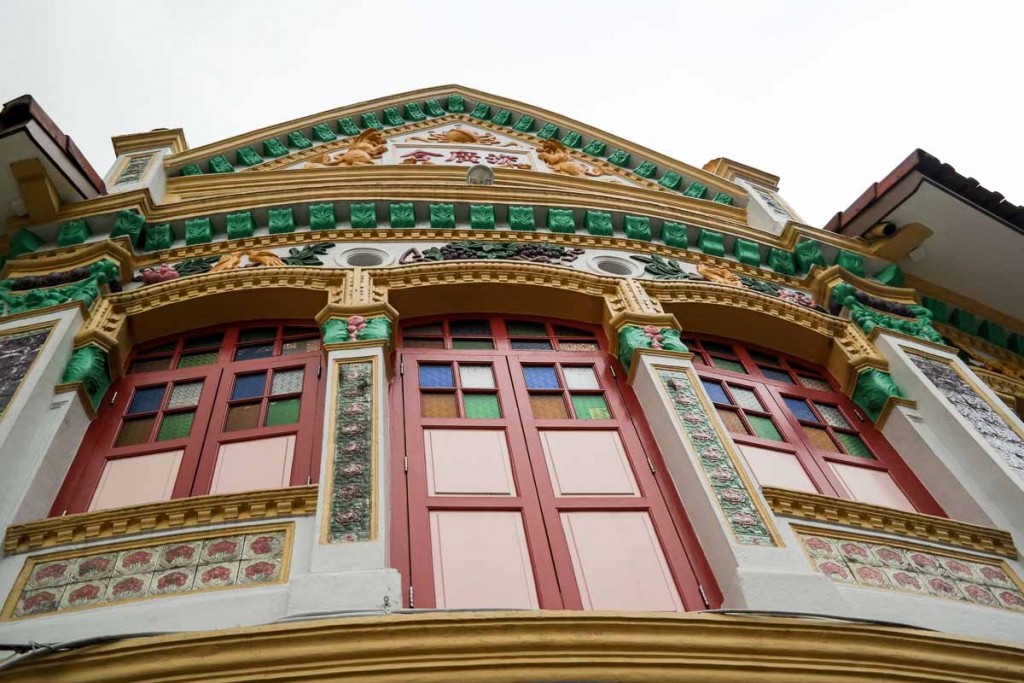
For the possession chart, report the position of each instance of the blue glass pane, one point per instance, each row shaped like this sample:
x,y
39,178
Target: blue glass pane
x,y
800,409
541,377
777,375
436,376
257,351
248,386
147,400
716,392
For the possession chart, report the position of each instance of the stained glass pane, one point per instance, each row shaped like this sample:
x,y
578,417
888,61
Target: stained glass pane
x,y
476,376
248,386
135,431
185,395
204,341
548,407
257,351
481,406
195,360
715,391
438,405
820,439
746,398
246,416
151,365
799,407
472,344
563,331
761,357
296,331
777,375
300,346
590,407
283,411
854,445
732,421
578,346
730,365
430,329
580,377
764,427
814,383
162,348
470,328
833,416
437,376
541,377
531,344
175,426
413,343
522,328
257,334
287,382
715,347
147,399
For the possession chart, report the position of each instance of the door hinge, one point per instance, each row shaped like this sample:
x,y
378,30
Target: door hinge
x,y
401,368
860,415
411,603
651,465
703,595
113,398
406,459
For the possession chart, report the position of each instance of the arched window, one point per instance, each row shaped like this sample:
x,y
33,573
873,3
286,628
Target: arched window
x,y
797,431
530,477
218,410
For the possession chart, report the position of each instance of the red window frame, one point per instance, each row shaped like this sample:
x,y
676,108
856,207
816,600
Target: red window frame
x,y
787,377
540,506
208,432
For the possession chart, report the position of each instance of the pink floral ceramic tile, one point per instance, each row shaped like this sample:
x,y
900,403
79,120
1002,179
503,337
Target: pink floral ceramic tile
x,y
85,594
222,549
94,567
867,575
50,574
908,581
128,587
980,595
179,554
924,562
1010,599
136,561
818,546
216,575
258,571
835,570
259,546
177,580
959,569
887,556
855,552
40,601
941,587
992,576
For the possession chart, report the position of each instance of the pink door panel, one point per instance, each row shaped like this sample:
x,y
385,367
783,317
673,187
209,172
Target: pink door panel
x,y
253,465
619,563
468,462
588,463
136,480
872,486
775,468
481,560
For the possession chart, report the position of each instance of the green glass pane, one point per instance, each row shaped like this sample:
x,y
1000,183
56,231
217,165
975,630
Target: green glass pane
x,y
855,446
730,365
590,407
257,333
194,360
482,406
175,426
472,344
283,412
522,328
764,428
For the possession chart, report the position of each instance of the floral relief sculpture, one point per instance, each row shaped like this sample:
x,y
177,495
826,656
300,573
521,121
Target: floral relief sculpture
x,y
351,499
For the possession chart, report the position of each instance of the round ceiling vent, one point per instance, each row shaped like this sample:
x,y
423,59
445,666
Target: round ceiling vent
x,y
613,265
363,257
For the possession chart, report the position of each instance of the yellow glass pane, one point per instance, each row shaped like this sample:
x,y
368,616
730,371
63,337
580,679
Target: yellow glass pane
x,y
732,421
820,439
245,416
438,405
135,431
548,407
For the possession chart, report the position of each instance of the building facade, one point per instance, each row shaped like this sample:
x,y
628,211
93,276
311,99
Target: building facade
x,y
445,386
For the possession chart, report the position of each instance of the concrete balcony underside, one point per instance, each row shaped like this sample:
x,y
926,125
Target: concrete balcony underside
x,y
538,646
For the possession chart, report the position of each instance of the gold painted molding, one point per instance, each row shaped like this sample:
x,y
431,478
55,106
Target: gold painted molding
x,y
172,138
818,508
822,281
533,646
117,249
298,501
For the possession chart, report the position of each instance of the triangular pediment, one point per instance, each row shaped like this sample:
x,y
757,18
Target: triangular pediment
x,y
453,126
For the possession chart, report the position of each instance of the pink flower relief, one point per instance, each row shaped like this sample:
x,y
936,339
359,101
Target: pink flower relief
x,y
84,594
993,574
815,543
132,584
184,552
907,580
94,565
222,548
216,575
356,324
260,571
831,569
1012,598
174,579
43,601
136,559
264,545
53,571
942,586
352,469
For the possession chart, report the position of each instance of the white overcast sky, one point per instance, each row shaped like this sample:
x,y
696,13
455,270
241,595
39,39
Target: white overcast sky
x,y
830,96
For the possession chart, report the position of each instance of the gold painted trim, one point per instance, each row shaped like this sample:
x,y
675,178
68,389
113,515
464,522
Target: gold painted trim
x,y
152,141
879,331
6,614
957,300
49,326
123,164
638,355
824,281
36,312
532,646
78,388
327,473
890,407
726,439
941,530
970,341
117,249
298,501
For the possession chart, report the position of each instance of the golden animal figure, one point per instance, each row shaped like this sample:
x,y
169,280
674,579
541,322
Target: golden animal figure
x,y
256,258
461,136
264,258
370,145
227,262
556,156
720,275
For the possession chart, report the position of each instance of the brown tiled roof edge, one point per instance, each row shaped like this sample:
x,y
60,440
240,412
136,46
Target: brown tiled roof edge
x,y
940,173
21,110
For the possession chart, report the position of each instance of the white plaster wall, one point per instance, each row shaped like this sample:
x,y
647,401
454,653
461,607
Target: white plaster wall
x,y
40,431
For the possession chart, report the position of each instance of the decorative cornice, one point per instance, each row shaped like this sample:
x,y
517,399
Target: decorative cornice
x,y
116,249
941,530
540,646
172,138
297,501
823,281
